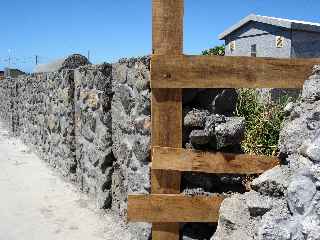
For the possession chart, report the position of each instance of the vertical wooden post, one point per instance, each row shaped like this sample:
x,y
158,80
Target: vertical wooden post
x,y
167,39
167,24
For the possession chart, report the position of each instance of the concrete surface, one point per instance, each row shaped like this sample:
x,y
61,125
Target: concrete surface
x,y
37,204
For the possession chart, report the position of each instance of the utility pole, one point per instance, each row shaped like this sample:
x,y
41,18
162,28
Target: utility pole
x,y
9,59
9,64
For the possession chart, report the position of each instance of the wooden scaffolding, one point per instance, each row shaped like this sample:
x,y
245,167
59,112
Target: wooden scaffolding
x,y
172,71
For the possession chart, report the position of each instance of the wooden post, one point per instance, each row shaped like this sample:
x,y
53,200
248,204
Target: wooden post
x,y
166,105
171,71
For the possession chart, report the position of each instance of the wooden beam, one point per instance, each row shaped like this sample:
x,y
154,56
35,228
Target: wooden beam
x,y
182,71
166,131
167,118
167,24
167,38
221,163
173,208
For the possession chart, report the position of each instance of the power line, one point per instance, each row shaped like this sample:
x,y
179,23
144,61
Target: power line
x,y
27,61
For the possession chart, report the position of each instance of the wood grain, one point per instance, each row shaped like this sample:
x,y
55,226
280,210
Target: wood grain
x,y
221,163
167,208
182,71
167,38
166,131
167,24
165,231
166,117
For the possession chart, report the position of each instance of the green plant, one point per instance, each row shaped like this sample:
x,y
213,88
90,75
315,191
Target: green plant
x,y
216,51
263,123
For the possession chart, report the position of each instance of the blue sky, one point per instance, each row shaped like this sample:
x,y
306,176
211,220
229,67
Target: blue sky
x,y
122,28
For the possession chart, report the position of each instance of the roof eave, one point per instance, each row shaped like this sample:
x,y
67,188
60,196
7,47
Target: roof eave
x,y
236,26
305,27
282,23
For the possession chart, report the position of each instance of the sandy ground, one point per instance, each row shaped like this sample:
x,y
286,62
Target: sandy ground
x,y
37,204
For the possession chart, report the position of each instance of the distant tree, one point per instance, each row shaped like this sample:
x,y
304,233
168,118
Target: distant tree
x,y
216,51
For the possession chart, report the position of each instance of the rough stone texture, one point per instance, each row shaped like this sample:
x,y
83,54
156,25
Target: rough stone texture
x,y
205,130
304,121
41,111
276,95
273,182
312,150
131,125
93,95
196,118
287,206
234,214
257,204
71,62
74,61
230,132
192,231
131,134
311,87
93,123
209,124
59,132
219,101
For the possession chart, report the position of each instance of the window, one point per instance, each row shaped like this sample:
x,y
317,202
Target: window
x,y
232,46
279,42
254,50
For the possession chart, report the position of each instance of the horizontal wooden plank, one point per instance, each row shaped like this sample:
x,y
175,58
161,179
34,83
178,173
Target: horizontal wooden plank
x,y
180,71
167,208
198,161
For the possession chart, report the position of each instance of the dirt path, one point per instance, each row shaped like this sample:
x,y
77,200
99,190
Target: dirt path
x,y
36,204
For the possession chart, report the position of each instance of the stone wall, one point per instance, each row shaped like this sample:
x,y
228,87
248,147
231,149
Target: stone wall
x,y
131,125
66,117
6,101
93,123
42,114
93,95
285,201
131,132
90,122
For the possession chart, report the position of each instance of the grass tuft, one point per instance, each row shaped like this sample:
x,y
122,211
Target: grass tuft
x,y
263,123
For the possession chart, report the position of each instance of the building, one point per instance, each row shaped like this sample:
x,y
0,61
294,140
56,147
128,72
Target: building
x,y
261,36
1,75
12,72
